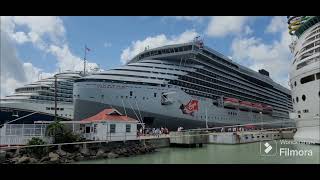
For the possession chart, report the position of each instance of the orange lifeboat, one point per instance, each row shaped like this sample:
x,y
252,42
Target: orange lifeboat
x,y
267,108
231,102
257,107
245,105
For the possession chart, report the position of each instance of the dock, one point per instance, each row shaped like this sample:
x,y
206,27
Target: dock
x,y
248,136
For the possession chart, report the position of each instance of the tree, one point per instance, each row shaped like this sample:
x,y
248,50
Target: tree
x,y
56,130
37,151
60,133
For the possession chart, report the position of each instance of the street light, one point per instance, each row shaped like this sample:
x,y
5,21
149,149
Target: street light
x,y
55,97
261,120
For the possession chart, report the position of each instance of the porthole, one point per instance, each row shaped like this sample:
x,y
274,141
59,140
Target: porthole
x,y
297,99
295,83
303,97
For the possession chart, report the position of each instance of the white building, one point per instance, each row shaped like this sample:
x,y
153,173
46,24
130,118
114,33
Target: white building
x,y
109,125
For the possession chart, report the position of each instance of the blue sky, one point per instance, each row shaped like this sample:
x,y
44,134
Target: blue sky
x,y
46,44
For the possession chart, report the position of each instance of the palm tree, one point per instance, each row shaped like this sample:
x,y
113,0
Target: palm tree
x,y
56,130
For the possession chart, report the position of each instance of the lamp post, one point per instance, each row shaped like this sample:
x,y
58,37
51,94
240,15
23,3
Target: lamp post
x,y
55,97
261,120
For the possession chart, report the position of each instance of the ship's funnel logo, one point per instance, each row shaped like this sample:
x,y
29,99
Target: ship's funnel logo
x,y
190,108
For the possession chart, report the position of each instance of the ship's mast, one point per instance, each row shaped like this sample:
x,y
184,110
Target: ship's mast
x,y
84,60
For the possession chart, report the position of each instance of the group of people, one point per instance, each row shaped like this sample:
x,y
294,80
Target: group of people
x,y
153,131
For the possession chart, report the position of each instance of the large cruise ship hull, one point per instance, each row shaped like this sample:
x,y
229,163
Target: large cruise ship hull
x,y
149,109
29,111
308,130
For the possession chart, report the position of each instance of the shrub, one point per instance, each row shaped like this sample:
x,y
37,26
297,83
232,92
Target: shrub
x,y
37,151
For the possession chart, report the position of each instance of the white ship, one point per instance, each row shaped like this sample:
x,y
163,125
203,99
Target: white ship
x,y
36,101
189,85
305,76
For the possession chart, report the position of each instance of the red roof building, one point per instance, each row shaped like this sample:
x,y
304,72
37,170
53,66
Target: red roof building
x,y
109,115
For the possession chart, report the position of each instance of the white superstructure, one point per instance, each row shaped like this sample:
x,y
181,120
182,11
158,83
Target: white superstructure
x,y
36,101
305,76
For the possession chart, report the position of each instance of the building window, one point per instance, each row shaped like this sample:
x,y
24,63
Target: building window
x,y
112,128
297,99
303,97
128,128
87,129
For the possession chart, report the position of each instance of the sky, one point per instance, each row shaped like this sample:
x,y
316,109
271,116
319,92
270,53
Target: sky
x,y
37,47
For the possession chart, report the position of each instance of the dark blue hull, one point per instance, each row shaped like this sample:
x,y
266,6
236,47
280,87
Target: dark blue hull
x,y
8,115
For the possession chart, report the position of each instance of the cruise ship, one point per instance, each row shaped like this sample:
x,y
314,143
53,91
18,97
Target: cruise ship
x,y
305,76
36,101
188,85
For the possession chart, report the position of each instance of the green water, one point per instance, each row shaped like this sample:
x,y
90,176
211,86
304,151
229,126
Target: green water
x,y
222,154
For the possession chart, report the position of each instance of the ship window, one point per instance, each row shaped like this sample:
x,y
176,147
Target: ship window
x,y
318,75
130,93
295,83
47,108
303,97
293,100
155,94
297,99
319,93
307,79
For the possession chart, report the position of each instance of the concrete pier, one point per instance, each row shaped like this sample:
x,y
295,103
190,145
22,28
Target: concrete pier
x,y
188,138
248,136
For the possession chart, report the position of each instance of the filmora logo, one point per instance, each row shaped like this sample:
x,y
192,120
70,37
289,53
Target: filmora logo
x,y
268,148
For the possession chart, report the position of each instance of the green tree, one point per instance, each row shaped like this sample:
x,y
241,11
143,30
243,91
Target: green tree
x,y
60,133
56,130
37,151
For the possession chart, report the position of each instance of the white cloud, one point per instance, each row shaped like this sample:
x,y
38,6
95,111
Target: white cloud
x,y
107,44
274,57
277,24
190,18
248,30
220,26
68,61
14,72
48,34
155,41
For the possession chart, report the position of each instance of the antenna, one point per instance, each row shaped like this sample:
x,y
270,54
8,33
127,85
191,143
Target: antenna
x,y
84,59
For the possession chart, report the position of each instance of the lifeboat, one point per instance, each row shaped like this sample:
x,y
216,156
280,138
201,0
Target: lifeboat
x,y
231,102
267,108
245,105
257,107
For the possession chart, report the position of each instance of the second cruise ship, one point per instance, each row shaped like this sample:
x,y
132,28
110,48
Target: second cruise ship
x,y
188,85
36,101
